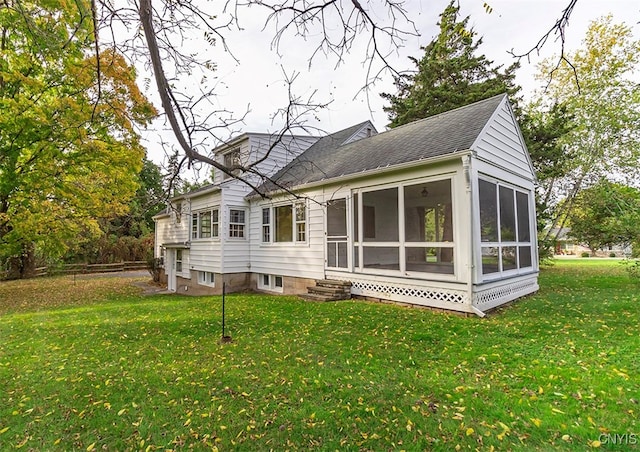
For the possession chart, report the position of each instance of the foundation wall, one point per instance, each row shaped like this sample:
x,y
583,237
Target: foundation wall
x,y
237,282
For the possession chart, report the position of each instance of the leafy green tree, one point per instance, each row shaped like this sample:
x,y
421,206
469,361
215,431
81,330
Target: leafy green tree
x,y
601,97
148,200
69,150
543,132
606,214
449,75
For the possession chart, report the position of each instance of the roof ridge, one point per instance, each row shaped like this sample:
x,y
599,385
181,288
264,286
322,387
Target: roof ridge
x,y
473,104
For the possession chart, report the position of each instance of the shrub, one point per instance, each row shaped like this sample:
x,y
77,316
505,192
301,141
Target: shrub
x,y
585,254
632,266
612,254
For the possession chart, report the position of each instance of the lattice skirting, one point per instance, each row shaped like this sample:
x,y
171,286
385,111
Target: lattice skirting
x,y
490,298
457,300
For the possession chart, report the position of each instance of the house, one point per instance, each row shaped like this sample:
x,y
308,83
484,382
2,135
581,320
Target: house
x,y
439,212
565,244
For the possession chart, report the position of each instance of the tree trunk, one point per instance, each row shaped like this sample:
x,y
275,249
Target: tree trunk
x,y
24,265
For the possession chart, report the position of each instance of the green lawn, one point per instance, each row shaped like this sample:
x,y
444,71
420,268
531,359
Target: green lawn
x,y
95,365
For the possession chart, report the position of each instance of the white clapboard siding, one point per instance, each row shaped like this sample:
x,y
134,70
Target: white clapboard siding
x,y
206,255
170,231
205,201
235,251
281,155
254,146
304,260
501,143
161,234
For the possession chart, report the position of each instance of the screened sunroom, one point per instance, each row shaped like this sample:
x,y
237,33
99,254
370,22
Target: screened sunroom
x,y
458,234
439,212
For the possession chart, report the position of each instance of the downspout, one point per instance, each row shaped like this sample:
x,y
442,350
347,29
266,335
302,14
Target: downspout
x,y
466,167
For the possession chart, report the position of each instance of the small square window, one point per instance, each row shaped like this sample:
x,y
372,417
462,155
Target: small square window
x,y
278,282
266,280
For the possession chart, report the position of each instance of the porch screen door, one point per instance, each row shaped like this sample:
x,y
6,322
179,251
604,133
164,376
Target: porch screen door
x,y
337,233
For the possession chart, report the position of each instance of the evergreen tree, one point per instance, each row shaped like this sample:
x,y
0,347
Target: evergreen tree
x,y
449,75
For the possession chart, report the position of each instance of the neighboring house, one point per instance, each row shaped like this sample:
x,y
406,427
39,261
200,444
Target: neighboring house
x,y
567,245
439,213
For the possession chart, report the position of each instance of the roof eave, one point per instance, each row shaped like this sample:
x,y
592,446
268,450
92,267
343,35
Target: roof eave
x,y
196,193
159,216
376,171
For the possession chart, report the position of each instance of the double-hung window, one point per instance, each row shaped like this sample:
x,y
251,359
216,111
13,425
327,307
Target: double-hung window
x,y
204,224
301,222
285,223
505,228
231,159
266,225
236,223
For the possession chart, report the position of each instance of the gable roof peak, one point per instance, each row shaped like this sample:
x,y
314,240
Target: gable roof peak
x,y
436,136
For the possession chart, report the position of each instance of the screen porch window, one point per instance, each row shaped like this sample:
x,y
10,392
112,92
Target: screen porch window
x,y
407,228
337,233
429,227
505,228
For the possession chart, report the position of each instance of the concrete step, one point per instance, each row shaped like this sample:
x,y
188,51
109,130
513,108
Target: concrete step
x,y
333,283
329,290
316,297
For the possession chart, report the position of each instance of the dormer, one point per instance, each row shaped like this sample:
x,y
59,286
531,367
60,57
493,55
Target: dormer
x,y
250,148
363,130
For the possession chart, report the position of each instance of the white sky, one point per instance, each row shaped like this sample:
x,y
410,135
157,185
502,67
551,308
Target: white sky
x,y
257,81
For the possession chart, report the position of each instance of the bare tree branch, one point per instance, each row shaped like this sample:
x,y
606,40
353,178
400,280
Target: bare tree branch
x,y
558,29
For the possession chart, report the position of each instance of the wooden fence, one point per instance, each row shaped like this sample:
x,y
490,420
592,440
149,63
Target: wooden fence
x,y
78,269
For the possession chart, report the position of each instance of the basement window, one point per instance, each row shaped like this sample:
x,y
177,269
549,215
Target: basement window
x,y
271,283
207,279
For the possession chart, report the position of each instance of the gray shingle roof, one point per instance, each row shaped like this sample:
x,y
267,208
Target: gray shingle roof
x,y
446,133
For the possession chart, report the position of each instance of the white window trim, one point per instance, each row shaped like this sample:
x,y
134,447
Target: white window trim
x,y
501,274
245,228
271,286
196,214
203,278
184,263
401,243
294,224
236,161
